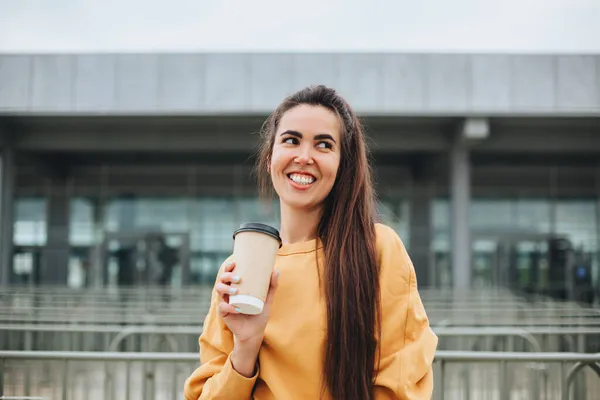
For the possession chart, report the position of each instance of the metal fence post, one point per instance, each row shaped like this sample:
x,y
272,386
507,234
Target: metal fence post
x,y
504,390
442,379
65,380
127,379
1,376
564,382
467,381
174,388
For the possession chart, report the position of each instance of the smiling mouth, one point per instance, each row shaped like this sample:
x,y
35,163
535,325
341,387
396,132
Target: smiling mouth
x,y
302,179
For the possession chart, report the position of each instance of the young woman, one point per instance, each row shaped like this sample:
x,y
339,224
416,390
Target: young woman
x,y
343,318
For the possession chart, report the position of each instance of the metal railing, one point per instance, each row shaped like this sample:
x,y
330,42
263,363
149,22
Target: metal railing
x,y
525,375
185,306
485,331
96,375
185,338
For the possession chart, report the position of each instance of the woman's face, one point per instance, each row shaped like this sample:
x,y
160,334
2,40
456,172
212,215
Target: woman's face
x,y
306,156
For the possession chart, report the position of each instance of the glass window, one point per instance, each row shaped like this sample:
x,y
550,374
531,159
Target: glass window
x,y
577,220
81,222
491,215
252,209
508,215
165,215
395,214
114,211
30,222
532,215
82,238
160,214
441,225
440,243
441,213
511,215
215,220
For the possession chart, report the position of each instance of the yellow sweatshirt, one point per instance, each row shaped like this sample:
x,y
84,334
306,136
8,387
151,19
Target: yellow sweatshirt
x,y
290,359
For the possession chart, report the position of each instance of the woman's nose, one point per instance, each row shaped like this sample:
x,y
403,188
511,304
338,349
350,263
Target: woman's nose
x,y
304,157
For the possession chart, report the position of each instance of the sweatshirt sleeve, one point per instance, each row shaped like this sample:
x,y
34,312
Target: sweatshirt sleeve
x,y
216,378
408,344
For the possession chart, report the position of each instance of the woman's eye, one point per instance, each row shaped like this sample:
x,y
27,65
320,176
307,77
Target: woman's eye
x,y
324,145
290,140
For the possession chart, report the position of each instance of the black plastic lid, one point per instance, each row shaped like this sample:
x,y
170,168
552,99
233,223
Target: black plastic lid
x,y
258,227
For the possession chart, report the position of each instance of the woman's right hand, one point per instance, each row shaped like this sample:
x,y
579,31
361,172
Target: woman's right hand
x,y
245,328
248,330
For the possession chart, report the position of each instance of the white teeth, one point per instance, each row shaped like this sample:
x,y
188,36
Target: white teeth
x,y
302,179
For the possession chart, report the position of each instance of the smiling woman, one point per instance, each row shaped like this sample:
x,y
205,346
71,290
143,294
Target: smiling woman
x,y
343,318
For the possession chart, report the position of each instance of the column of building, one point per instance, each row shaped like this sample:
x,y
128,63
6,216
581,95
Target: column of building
x,y
7,183
471,131
55,256
460,193
421,228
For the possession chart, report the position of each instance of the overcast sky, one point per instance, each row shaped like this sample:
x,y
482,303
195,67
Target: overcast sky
x,y
303,25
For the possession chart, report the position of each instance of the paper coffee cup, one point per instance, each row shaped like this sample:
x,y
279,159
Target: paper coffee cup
x,y
255,248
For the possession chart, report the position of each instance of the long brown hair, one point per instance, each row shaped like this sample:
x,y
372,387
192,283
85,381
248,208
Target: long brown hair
x,y
347,231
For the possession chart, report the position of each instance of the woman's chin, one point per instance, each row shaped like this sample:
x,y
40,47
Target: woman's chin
x,y
298,204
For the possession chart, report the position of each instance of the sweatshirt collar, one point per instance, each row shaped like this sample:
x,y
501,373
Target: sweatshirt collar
x,y
309,246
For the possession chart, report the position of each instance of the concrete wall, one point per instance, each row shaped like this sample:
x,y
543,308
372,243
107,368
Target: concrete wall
x,y
209,84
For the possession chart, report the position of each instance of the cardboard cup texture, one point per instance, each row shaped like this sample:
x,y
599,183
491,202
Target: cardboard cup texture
x,y
254,251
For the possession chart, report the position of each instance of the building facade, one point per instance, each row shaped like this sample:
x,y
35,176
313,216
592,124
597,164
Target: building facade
x,y
130,169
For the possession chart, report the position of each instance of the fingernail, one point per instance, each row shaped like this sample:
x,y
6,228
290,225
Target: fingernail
x,y
232,290
278,273
237,309
236,279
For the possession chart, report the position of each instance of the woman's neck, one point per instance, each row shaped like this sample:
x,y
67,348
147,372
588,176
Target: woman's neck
x,y
298,225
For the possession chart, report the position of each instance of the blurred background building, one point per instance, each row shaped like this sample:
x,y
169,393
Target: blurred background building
x,y
135,169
